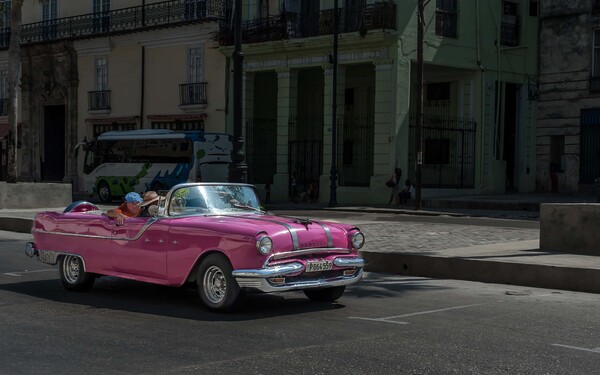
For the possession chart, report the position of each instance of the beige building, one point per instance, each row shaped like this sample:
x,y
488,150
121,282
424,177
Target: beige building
x,y
98,65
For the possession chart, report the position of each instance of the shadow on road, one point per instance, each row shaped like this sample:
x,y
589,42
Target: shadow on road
x,y
184,303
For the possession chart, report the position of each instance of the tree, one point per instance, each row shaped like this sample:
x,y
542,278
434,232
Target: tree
x,y
14,69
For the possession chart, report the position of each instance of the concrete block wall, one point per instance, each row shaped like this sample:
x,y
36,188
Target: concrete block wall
x,y
34,195
570,228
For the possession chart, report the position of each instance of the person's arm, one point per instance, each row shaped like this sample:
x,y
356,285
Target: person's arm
x,y
116,213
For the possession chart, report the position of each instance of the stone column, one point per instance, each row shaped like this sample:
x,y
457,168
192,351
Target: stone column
x,y
384,152
325,180
287,101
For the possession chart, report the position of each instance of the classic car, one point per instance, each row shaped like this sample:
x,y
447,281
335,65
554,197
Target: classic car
x,y
216,236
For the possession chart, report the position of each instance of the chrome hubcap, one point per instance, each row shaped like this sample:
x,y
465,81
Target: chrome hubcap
x,y
71,269
214,284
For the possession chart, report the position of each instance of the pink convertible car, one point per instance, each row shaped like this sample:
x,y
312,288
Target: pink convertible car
x,y
214,235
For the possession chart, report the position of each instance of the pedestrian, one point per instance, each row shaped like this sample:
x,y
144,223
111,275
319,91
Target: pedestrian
x,y
294,188
394,184
405,194
129,208
268,193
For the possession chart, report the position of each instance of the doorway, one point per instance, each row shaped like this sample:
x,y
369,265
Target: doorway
x,y
510,134
53,161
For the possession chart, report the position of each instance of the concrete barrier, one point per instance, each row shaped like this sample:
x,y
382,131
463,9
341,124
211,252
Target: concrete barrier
x,y
34,195
570,228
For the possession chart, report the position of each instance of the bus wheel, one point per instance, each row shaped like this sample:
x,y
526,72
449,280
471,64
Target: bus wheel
x,y
104,192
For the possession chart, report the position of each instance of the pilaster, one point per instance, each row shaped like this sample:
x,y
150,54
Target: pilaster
x,y
287,104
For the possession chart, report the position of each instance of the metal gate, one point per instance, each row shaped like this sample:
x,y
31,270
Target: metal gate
x,y
448,145
305,153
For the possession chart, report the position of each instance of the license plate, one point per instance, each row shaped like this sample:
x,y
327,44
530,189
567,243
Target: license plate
x,y
320,265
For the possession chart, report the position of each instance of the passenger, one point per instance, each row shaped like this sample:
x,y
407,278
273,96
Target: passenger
x,y
149,205
129,208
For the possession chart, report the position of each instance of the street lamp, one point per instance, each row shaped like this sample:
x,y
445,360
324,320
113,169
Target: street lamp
x,y
238,170
333,171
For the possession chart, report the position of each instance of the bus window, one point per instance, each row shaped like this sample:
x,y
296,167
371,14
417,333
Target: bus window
x,y
162,151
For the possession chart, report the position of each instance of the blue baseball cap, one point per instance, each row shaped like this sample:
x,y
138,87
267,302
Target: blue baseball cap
x,y
132,198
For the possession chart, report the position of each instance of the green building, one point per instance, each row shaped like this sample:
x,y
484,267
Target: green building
x,y
480,73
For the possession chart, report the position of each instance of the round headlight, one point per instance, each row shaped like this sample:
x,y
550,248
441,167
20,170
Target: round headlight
x,y
264,245
358,240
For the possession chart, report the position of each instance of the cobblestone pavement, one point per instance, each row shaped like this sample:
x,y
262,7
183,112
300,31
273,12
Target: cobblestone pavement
x,y
428,237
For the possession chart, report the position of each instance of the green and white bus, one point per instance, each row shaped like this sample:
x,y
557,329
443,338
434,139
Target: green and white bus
x,y
118,162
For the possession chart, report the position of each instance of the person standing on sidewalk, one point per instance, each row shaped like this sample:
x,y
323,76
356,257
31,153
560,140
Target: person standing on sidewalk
x,y
394,184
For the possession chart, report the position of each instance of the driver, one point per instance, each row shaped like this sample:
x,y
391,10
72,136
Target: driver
x,y
149,204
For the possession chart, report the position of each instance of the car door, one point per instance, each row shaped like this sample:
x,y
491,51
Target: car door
x,y
138,247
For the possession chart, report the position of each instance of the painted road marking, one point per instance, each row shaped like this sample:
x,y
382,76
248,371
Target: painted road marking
x,y
388,319
19,274
594,350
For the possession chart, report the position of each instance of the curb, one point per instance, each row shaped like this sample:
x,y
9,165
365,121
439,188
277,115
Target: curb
x,y
16,224
487,271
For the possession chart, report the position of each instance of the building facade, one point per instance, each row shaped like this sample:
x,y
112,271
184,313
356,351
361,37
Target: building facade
x,y
480,69
98,65
569,87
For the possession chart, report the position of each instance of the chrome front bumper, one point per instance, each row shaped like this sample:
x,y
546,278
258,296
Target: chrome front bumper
x,y
259,279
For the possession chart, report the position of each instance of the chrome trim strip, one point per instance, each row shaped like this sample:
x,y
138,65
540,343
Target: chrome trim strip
x,y
279,270
287,226
137,237
263,285
349,262
327,233
290,254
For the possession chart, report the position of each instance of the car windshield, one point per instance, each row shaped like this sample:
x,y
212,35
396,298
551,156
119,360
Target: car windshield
x,y
213,200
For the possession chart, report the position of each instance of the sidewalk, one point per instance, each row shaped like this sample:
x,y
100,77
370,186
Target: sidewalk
x,y
493,253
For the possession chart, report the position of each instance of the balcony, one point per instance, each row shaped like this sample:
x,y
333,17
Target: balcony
x,y
192,94
99,100
119,21
291,26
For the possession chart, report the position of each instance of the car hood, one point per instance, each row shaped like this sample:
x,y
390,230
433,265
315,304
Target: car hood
x,y
288,233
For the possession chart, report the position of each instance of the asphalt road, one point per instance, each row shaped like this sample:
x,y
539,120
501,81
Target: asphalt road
x,y
384,325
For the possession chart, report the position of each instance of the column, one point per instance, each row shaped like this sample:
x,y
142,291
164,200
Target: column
x,y
384,152
287,94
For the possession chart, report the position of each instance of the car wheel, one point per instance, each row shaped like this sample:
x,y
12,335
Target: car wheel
x,y
217,287
72,274
104,192
325,294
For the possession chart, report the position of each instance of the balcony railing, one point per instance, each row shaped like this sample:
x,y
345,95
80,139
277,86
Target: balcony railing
x,y
119,21
192,93
290,26
4,107
98,100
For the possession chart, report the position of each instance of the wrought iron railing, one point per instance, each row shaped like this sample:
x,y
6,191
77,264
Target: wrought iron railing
x,y
448,151
510,33
4,107
98,100
119,21
288,25
192,93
